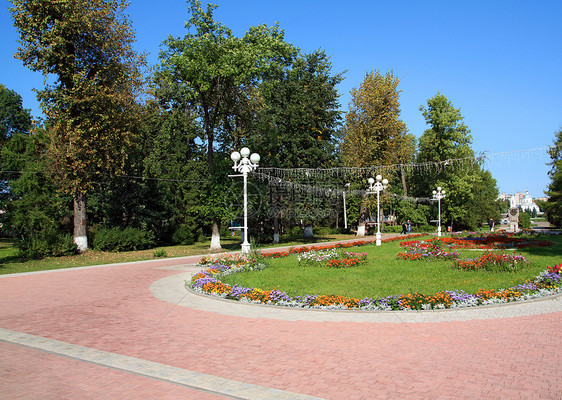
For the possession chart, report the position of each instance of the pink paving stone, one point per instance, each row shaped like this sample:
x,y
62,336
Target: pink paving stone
x,y
44,376
112,309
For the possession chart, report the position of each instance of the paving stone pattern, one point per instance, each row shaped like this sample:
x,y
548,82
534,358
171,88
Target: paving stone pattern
x,y
131,331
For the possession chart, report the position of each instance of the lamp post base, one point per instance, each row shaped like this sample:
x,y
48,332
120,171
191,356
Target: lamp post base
x,y
439,231
378,236
245,248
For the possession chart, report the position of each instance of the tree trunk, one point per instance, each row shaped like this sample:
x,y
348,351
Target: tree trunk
x,y
216,235
362,218
80,222
403,174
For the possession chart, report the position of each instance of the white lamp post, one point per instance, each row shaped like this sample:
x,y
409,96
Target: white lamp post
x,y
438,195
344,206
378,187
244,165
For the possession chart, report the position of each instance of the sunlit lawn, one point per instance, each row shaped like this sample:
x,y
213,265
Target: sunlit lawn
x,y
10,263
383,274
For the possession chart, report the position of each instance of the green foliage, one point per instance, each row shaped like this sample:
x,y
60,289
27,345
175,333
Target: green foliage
x,y
91,104
160,254
45,243
524,220
119,239
186,234
374,132
299,119
471,191
13,117
553,207
14,120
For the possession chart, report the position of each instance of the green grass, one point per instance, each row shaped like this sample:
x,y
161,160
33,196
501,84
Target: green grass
x,y
10,263
383,274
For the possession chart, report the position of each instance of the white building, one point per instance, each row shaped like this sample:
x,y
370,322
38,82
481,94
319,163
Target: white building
x,y
524,201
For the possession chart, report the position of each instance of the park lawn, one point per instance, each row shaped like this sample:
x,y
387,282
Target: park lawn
x,y
10,263
384,275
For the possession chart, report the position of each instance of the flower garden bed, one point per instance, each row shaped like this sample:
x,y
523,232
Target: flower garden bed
x,y
208,281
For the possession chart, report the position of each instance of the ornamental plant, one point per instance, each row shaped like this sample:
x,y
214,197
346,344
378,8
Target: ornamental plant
x,y
497,262
432,250
331,258
545,284
208,281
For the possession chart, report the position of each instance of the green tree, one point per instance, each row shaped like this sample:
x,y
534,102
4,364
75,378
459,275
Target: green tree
x,y
14,119
553,206
297,123
37,215
212,74
471,191
91,107
374,134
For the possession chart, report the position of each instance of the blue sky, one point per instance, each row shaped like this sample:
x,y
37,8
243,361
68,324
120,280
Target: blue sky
x,y
498,61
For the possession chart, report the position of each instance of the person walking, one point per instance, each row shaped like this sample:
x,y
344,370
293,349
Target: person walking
x,y
409,226
492,224
404,228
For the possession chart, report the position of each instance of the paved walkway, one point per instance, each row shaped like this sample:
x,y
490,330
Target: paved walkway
x,y
131,331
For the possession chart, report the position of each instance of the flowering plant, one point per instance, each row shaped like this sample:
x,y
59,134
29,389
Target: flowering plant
x,y
493,262
208,281
545,284
428,251
331,258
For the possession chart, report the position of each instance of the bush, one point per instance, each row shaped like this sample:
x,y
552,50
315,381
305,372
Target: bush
x,y
524,220
119,239
44,244
393,229
185,234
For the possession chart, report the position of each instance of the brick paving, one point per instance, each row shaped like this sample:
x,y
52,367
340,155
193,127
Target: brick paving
x,y
132,331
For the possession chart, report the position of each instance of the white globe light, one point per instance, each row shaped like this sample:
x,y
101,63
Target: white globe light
x,y
443,192
385,182
434,192
255,158
438,188
245,152
379,177
371,181
235,156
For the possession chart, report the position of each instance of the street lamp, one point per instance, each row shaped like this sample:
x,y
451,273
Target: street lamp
x,y
438,195
378,187
244,165
344,206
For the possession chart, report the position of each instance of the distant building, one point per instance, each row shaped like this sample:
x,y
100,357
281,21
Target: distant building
x,y
524,201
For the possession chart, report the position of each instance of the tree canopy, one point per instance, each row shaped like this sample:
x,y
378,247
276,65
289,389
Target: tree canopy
x,y
553,206
91,106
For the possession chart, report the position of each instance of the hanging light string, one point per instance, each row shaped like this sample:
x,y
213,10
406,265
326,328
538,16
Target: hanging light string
x,y
288,178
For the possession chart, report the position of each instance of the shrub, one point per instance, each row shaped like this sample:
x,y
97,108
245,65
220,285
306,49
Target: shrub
x,y
119,239
185,234
160,254
47,243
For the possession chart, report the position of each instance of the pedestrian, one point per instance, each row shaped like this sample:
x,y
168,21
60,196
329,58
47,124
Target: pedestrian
x,y
404,228
409,225
492,224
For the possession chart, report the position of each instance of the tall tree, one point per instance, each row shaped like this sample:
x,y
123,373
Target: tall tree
x,y
211,73
553,206
297,123
471,191
374,133
91,105
14,119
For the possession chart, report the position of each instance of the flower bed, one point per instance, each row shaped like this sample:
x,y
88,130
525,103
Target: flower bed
x,y
332,258
431,250
208,281
493,262
489,241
